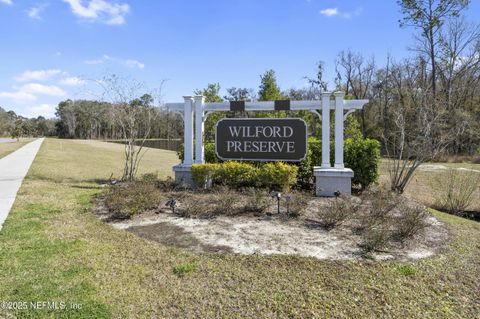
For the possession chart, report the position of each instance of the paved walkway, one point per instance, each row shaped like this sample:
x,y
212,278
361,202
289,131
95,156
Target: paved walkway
x,y
13,169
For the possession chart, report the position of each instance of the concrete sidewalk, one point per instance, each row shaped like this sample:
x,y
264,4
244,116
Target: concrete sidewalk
x,y
13,169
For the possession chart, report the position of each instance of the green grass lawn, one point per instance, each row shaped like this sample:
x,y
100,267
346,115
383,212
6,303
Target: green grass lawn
x,y
53,248
7,148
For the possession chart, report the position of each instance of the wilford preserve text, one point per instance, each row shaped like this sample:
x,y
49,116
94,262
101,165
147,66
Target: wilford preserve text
x,y
261,139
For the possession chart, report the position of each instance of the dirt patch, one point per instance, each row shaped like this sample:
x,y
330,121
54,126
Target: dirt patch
x,y
271,234
172,235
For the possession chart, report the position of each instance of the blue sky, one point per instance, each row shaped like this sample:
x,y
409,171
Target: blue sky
x,y
48,47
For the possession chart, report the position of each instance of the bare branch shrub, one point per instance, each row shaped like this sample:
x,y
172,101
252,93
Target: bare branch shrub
x,y
455,189
258,200
376,238
338,210
410,221
296,204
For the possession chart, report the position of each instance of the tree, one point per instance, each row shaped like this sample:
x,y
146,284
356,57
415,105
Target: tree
x,y
211,93
134,114
269,90
429,16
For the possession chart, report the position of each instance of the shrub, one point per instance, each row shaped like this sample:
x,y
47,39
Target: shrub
x,y
258,200
338,211
410,222
455,189
361,155
296,204
376,238
277,175
224,202
237,174
132,198
195,209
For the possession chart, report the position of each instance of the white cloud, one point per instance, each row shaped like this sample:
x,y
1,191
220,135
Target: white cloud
x,y
38,75
37,88
100,10
45,110
131,63
18,96
134,63
9,2
329,12
333,12
71,81
35,11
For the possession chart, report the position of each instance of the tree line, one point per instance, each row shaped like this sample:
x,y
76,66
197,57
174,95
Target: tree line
x,y
436,88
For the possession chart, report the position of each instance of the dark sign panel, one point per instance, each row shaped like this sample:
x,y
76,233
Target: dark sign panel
x,y
265,139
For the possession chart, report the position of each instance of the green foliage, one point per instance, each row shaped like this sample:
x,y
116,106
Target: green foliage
x,y
276,175
211,93
407,270
184,269
269,89
363,157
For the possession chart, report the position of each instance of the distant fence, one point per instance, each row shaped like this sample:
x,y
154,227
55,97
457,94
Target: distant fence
x,y
164,144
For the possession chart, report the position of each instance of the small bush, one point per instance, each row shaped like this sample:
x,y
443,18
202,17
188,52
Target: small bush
x,y
149,177
258,201
166,185
455,190
338,211
361,155
224,202
132,198
238,175
184,269
196,209
278,176
410,222
382,202
296,204
376,238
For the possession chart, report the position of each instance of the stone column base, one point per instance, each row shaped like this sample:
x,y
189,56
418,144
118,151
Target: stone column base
x,y
328,181
183,175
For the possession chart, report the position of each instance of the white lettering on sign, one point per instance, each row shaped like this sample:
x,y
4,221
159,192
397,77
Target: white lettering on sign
x,y
261,131
261,146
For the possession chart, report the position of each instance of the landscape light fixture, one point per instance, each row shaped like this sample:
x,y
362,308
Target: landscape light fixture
x,y
172,203
278,196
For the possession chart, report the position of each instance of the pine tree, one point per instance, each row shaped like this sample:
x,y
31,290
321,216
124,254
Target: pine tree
x,y
269,90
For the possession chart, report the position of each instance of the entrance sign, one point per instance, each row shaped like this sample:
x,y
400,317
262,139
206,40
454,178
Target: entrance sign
x,y
242,139
261,139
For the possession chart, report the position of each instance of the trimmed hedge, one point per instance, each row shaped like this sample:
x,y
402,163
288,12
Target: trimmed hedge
x,y
361,155
277,175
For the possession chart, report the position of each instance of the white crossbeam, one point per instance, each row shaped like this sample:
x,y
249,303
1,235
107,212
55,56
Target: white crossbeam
x,y
270,105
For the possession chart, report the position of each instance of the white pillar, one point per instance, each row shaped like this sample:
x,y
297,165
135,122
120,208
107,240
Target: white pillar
x,y
199,113
326,130
188,131
339,129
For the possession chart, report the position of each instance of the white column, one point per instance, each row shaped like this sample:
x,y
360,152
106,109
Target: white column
x,y
339,129
326,130
188,131
199,113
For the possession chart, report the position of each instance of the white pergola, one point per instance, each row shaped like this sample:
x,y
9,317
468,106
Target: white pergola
x,y
193,108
